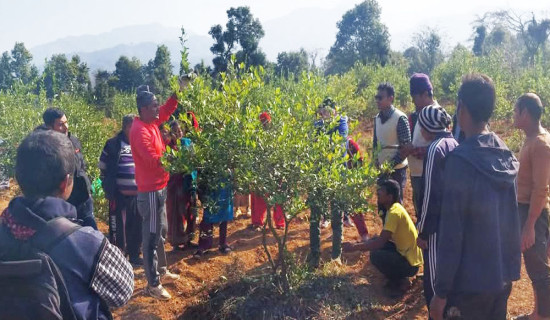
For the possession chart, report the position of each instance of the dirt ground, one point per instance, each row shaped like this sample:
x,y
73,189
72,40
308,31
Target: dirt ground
x,y
198,276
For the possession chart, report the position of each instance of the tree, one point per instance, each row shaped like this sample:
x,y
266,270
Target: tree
x,y
292,63
243,31
104,91
361,38
128,73
159,71
21,63
6,76
63,76
479,39
426,53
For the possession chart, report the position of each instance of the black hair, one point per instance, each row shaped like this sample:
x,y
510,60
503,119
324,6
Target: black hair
x,y
174,123
391,187
51,114
532,103
127,120
388,87
477,93
44,159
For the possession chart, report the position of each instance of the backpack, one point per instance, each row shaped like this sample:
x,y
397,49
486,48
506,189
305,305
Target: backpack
x,y
31,284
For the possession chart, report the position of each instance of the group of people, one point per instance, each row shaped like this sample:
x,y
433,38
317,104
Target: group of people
x,y
477,207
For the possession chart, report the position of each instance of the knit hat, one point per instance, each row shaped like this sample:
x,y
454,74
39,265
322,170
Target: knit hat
x,y
144,96
419,83
434,119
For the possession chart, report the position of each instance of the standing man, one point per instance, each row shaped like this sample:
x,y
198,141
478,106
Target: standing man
x,y
119,183
81,197
478,252
151,178
421,90
391,131
533,199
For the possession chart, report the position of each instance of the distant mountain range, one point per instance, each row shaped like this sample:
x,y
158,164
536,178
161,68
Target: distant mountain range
x,y
101,51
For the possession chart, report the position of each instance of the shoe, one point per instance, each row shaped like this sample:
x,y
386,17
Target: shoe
x,y
158,292
337,261
365,238
248,213
325,224
199,253
238,213
136,262
169,276
225,249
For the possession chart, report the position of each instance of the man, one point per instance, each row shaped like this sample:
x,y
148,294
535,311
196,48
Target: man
x,y
151,178
96,273
421,91
118,180
434,123
56,120
533,199
478,253
395,252
391,131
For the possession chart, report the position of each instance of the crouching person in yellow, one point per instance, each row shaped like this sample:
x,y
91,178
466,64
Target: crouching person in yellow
x,y
395,252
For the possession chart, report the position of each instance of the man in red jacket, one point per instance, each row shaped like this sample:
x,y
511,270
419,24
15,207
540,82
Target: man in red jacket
x,y
151,179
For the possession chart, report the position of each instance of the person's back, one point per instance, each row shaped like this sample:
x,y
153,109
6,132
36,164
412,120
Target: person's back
x,y
96,273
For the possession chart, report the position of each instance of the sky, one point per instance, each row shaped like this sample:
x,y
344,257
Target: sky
x,y
36,22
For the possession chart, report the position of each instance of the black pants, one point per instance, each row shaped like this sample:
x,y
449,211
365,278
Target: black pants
x,y
125,225
486,306
391,263
536,259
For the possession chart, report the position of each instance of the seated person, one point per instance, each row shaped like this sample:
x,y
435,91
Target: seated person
x,y
395,252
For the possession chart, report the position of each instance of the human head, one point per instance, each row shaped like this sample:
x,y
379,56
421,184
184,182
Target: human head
x,y
127,121
385,95
433,120
56,120
388,192
176,130
45,165
421,90
527,110
165,133
147,104
476,100
265,119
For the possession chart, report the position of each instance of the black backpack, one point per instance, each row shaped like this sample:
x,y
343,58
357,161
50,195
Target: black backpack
x,y
31,284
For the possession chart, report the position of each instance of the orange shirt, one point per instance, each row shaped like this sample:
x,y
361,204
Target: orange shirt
x,y
534,170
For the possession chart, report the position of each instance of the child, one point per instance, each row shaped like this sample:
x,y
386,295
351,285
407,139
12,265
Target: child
x,y
434,123
395,252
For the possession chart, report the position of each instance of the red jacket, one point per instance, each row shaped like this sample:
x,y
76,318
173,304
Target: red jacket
x,y
147,149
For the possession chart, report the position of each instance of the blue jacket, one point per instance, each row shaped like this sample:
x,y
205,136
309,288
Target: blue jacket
x,y
432,183
78,256
479,229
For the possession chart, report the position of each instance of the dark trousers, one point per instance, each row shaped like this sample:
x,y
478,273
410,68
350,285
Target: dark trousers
x,y
125,225
416,184
536,259
430,267
206,236
486,306
85,212
315,232
391,263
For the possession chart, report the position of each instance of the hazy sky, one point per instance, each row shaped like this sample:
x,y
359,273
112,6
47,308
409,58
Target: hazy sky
x,y
37,22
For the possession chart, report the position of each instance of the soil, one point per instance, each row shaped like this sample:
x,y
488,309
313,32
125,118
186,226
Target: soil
x,y
200,276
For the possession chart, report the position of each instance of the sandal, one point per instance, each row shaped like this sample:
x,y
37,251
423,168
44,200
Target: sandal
x,y
225,249
199,253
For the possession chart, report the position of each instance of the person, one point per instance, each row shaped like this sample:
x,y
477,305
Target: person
x,y
326,112
181,203
218,209
533,199
151,179
258,204
96,274
433,122
56,120
421,91
391,132
478,247
117,173
395,252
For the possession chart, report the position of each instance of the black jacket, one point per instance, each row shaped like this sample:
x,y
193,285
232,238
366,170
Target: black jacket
x,y
108,165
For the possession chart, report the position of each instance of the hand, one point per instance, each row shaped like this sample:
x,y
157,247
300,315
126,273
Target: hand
x,y
423,244
405,150
437,307
349,247
527,237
